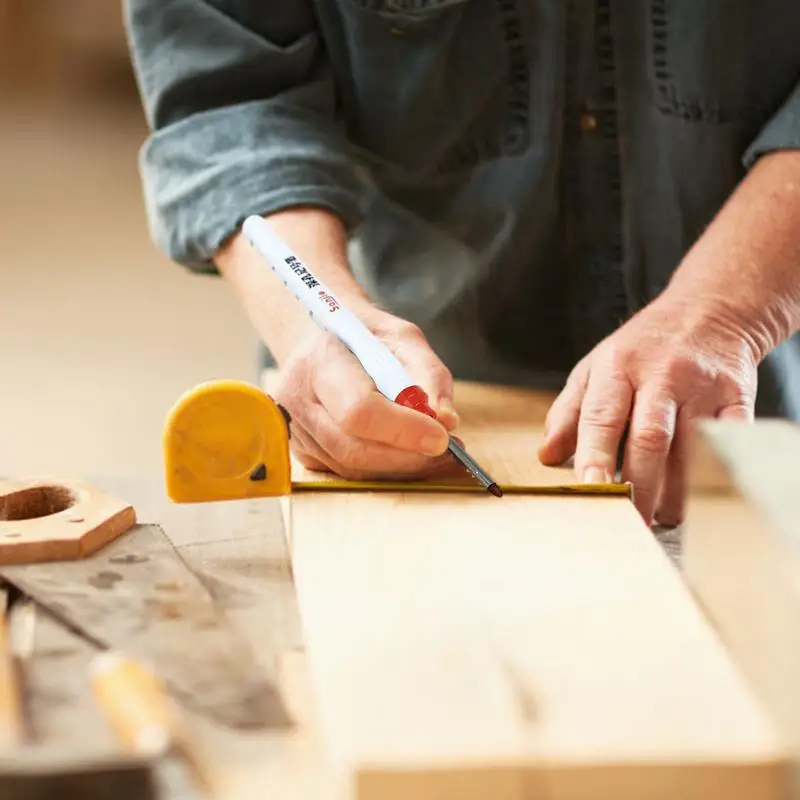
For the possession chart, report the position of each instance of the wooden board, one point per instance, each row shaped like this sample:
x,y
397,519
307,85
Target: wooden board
x,y
742,556
530,647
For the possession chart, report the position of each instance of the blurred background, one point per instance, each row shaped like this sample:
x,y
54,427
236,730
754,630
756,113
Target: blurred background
x,y
99,333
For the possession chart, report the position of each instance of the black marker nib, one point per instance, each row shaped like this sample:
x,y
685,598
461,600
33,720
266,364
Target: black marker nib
x,y
494,489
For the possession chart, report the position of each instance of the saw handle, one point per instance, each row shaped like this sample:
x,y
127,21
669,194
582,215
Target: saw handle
x,y
135,704
11,719
143,716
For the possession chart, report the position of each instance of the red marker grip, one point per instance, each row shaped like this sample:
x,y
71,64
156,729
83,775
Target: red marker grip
x,y
415,398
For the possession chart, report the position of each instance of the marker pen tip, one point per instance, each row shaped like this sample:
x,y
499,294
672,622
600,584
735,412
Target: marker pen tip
x,y
494,489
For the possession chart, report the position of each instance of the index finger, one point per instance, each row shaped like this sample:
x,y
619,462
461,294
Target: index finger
x,y
603,416
649,442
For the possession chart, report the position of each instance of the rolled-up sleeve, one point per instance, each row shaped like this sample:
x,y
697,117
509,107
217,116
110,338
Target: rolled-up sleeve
x,y
241,109
782,131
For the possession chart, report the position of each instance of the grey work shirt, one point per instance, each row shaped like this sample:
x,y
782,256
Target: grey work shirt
x,y
518,176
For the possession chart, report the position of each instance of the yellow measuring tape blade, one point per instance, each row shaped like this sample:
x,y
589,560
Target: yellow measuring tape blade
x,y
615,489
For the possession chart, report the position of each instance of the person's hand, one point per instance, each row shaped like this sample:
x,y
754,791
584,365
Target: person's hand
x,y
339,421
674,362
342,424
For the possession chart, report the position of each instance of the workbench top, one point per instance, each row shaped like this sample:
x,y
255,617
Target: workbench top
x,y
238,551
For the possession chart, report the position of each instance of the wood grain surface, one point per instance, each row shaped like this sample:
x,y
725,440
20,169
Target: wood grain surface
x,y
468,647
743,557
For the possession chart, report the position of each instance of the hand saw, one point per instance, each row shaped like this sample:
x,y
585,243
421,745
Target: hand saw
x,y
139,596
228,440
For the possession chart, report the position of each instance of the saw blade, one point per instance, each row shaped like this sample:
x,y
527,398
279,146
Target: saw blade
x,y
139,596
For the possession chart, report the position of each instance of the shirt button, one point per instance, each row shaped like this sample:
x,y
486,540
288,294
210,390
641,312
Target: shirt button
x,y
588,122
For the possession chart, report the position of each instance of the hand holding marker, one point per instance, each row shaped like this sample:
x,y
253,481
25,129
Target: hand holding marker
x,y
388,374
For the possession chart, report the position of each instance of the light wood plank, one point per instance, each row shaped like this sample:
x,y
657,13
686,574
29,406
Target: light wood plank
x,y
742,557
468,647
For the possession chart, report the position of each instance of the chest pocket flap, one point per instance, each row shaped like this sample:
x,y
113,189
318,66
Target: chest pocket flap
x,y
435,86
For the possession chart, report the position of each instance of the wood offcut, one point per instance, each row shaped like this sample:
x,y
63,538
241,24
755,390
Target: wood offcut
x,y
57,520
742,556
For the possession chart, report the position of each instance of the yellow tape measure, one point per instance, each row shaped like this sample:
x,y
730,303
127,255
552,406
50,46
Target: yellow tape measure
x,y
228,440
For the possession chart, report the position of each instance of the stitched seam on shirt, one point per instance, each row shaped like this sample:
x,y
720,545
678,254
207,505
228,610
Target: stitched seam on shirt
x,y
669,100
515,134
610,133
598,291
570,178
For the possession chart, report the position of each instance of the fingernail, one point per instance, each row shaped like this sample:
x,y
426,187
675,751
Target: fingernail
x,y
596,475
433,445
668,520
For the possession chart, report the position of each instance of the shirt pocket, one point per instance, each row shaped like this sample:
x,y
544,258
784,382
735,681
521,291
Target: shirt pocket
x,y
435,86
723,61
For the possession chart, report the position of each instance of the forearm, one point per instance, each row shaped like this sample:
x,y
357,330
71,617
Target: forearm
x,y
746,266
240,103
320,239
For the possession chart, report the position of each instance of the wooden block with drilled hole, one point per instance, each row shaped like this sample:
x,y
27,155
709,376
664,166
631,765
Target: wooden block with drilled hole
x,y
469,647
742,555
57,520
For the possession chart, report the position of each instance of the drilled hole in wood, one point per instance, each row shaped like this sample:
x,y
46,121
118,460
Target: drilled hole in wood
x,y
36,502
